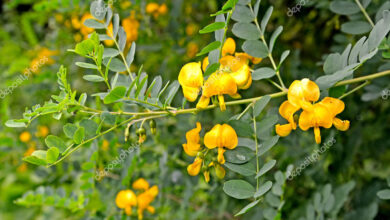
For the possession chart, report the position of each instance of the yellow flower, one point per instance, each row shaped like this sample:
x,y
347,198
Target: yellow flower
x,y
75,22
105,145
29,151
144,199
141,184
125,199
163,9
152,7
218,84
25,137
219,171
302,92
194,168
205,63
319,116
229,47
287,111
221,136
335,107
240,70
131,26
206,175
192,147
43,131
192,49
191,29
191,80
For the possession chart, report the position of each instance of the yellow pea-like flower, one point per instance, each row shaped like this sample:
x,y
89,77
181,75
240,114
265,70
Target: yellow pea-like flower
x,y
140,184
125,199
205,63
192,147
191,80
43,131
287,111
221,136
218,84
239,68
144,199
302,92
229,47
335,107
84,29
319,116
194,168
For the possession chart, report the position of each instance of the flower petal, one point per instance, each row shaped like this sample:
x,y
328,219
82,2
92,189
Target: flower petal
x,y
283,130
194,168
340,124
140,184
211,138
229,47
229,137
287,111
221,158
317,135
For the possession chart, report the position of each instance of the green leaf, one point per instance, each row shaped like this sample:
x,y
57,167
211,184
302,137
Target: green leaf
x,y
38,158
274,36
246,31
260,105
246,169
110,52
69,130
52,155
115,94
54,141
86,65
255,48
266,18
283,57
333,63
266,167
92,23
344,7
384,194
93,78
247,207
212,46
211,69
90,127
239,189
264,188
14,124
130,55
172,92
212,27
242,128
263,73
267,145
356,27
229,5
116,64
87,165
85,47
79,135
122,39
243,14
239,155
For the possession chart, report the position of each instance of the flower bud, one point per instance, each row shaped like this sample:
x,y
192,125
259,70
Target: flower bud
x,y
152,124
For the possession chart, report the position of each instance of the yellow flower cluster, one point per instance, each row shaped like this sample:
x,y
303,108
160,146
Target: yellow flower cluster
x,y
43,58
220,136
302,94
78,24
234,74
156,9
127,199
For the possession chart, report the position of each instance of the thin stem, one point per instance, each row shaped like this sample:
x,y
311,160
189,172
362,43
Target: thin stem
x,y
363,78
257,149
101,73
123,56
266,45
365,13
245,111
275,84
354,90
